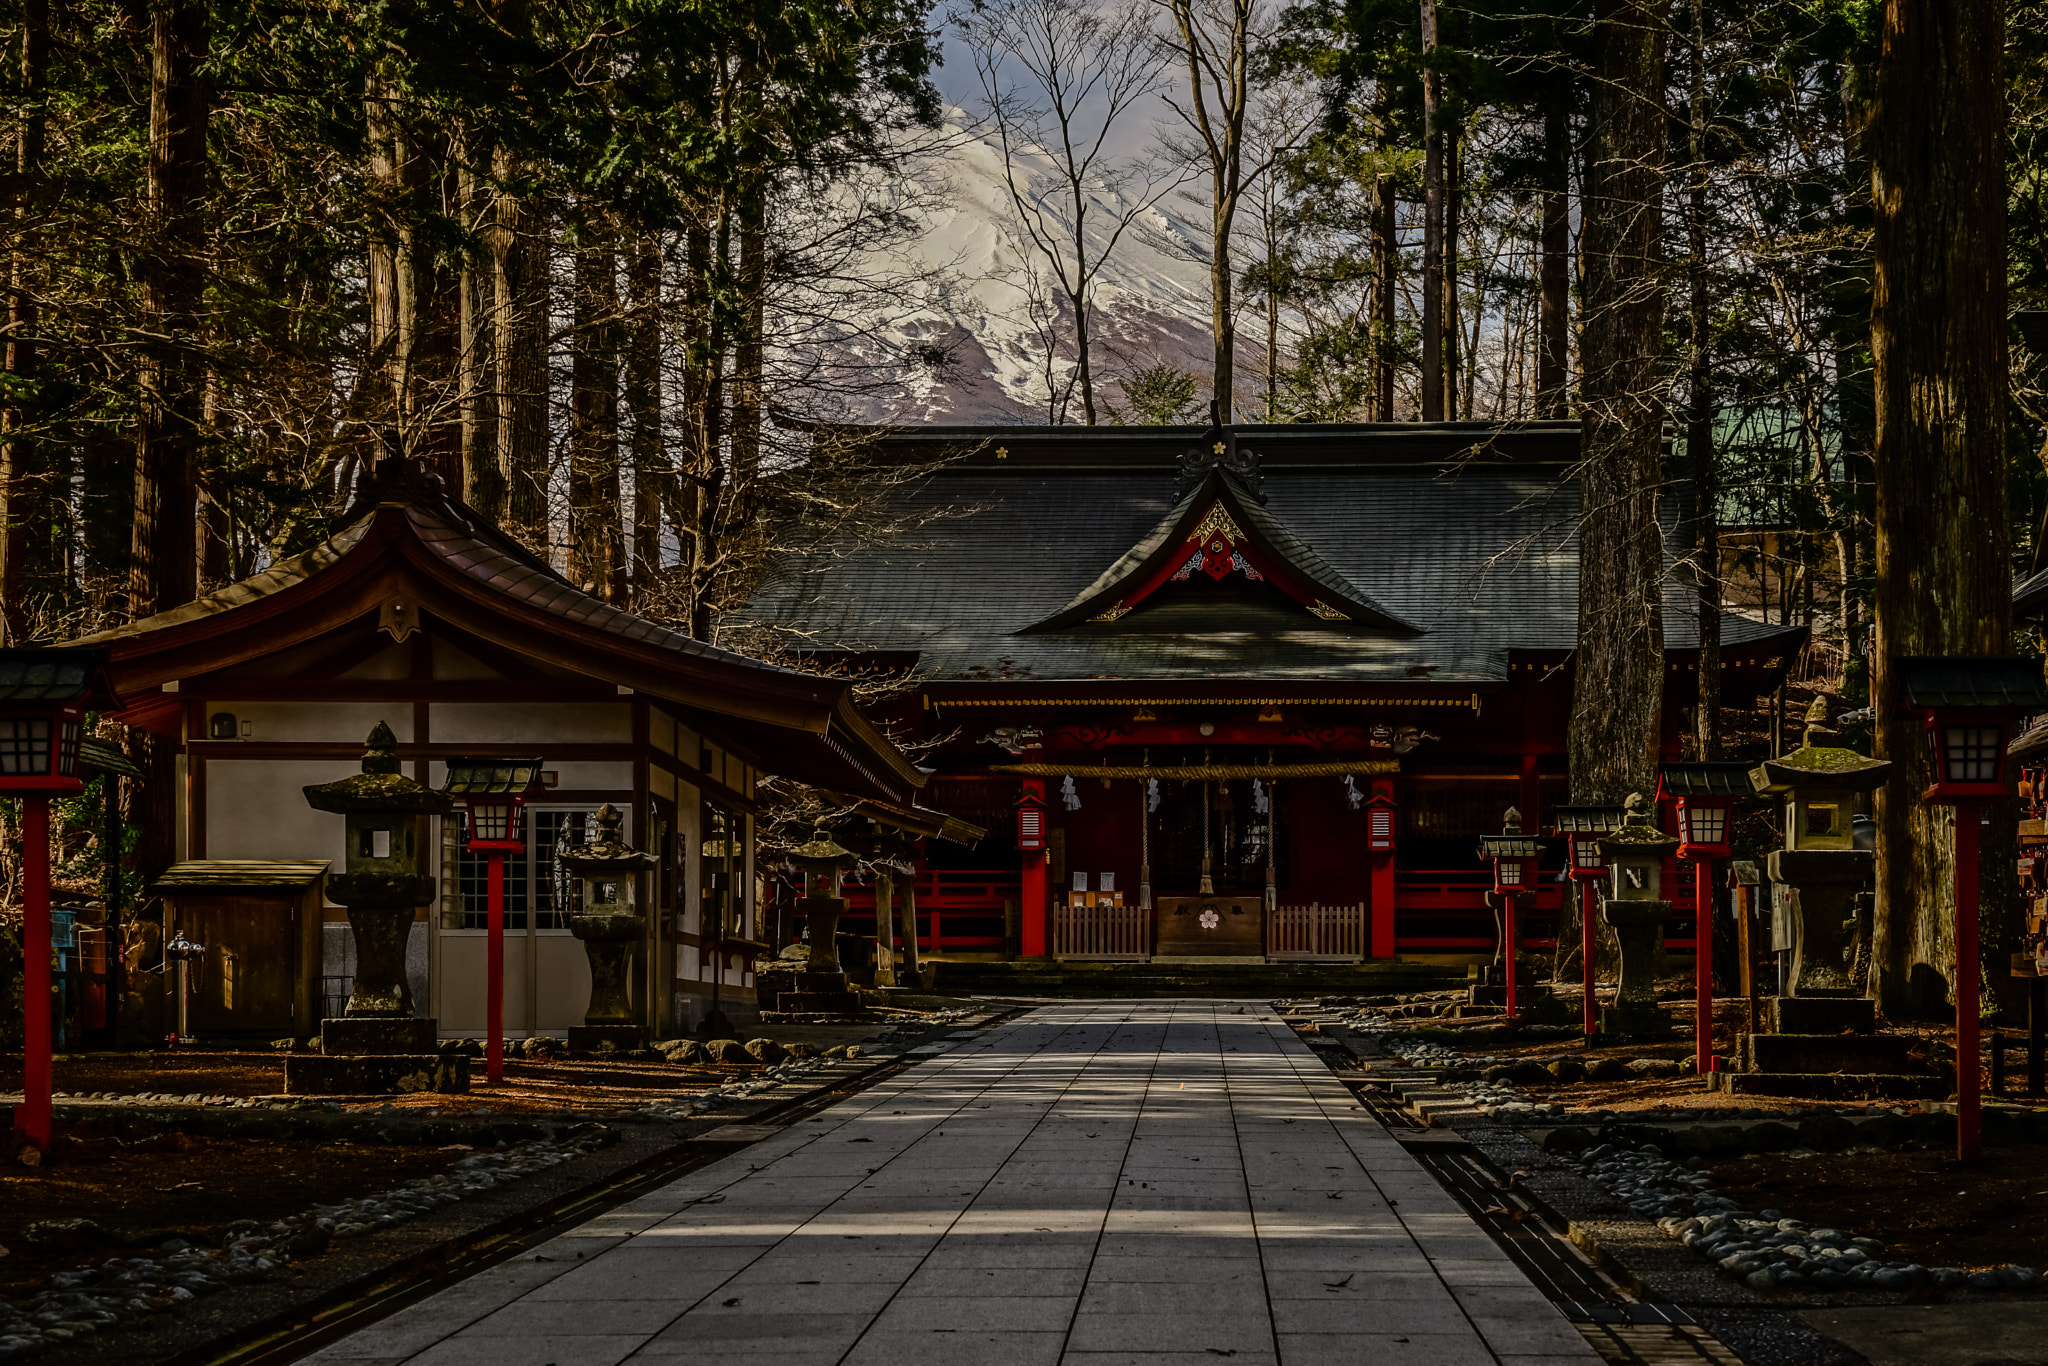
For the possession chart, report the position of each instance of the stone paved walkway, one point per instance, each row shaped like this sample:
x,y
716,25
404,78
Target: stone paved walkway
x,y
1094,1184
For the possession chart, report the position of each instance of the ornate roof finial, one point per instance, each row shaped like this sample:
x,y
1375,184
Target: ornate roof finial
x,y
1511,823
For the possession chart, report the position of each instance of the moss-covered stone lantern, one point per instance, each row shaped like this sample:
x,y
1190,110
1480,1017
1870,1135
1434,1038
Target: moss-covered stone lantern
x,y
379,1045
1635,909
821,988
382,883
1823,784
610,925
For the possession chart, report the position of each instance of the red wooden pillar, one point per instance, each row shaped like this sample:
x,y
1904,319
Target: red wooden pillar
x,y
1381,908
33,1116
1969,1104
1032,906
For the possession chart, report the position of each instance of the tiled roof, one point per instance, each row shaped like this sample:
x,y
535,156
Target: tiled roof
x,y
1706,780
48,675
1468,533
1993,681
403,522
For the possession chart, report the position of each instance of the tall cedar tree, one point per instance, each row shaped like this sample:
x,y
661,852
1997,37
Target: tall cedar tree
x,y
1618,680
1938,341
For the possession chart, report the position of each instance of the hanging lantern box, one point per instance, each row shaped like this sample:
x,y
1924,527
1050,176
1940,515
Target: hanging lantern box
x,y
42,713
1514,859
1380,825
1031,821
1583,827
494,793
1970,710
1703,797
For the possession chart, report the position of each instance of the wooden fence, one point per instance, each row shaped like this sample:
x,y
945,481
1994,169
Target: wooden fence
x,y
1104,933
1316,932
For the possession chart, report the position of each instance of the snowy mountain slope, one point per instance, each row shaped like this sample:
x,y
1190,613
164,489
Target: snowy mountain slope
x,y
971,345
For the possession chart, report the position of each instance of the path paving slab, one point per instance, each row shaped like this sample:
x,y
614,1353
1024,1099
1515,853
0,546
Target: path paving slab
x,y
1092,1183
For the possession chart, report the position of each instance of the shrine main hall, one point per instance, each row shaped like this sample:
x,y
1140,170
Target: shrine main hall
x,y
1251,692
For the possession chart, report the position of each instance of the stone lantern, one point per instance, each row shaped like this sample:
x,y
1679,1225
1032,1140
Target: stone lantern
x,y
1822,784
1635,909
1821,1024
610,925
821,988
379,1045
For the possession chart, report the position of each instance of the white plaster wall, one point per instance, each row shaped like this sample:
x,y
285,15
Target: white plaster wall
x,y
256,809
536,723
591,776
331,722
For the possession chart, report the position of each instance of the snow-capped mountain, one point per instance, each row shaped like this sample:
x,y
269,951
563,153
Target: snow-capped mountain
x,y
971,337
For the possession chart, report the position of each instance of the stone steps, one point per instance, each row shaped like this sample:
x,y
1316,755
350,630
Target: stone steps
x,y
1191,978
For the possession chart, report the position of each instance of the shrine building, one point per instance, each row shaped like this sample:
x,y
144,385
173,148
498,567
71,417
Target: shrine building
x,y
1240,693
417,614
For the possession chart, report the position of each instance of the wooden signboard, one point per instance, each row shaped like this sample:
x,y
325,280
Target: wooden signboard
x,y
1223,926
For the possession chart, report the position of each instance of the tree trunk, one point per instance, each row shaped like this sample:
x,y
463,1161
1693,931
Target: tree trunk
x,y
707,469
1938,347
483,482
1699,423
651,475
596,564
1432,224
746,353
1386,261
1553,352
1618,679
22,481
163,570
1453,338
519,293
383,286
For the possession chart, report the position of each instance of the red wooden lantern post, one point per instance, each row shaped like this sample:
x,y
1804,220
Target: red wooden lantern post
x,y
1704,793
1969,708
1513,856
493,793
1583,827
1031,845
42,708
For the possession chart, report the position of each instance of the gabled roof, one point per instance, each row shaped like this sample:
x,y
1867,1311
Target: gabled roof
x,y
1219,507
405,541
1463,533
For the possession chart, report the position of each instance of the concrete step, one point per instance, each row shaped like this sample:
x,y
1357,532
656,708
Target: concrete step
x,y
1837,1085
1886,1053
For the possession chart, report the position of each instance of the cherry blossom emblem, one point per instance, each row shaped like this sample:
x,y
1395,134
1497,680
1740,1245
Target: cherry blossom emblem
x,y
1210,920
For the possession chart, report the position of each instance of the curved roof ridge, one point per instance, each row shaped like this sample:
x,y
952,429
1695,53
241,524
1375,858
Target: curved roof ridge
x,y
1136,574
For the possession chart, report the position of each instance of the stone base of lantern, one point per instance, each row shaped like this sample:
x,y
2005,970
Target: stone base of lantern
x,y
1635,1019
379,1074
357,1036
818,993
1843,1014
594,1038
834,1003
1884,1053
